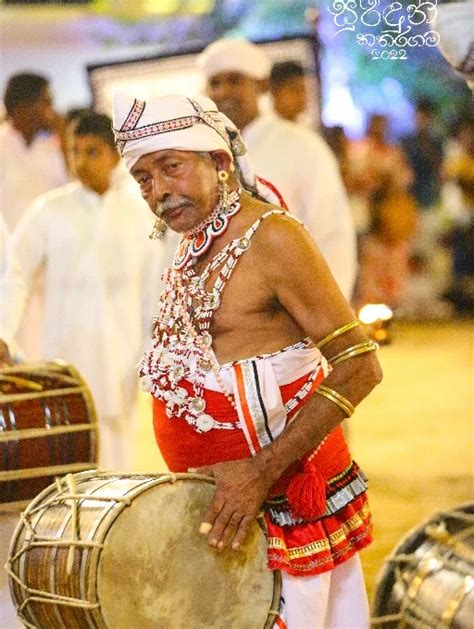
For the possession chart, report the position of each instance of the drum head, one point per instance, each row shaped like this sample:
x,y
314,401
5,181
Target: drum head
x,y
156,570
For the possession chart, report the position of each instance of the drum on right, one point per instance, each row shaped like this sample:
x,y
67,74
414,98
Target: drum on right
x,y
428,581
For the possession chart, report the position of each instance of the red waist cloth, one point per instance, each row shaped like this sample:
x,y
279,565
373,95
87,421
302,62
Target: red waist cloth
x,y
301,549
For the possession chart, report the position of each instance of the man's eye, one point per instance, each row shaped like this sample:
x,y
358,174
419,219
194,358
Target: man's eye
x,y
143,179
172,166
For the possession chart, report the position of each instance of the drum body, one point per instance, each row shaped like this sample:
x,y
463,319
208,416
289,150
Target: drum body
x,y
47,428
429,579
102,550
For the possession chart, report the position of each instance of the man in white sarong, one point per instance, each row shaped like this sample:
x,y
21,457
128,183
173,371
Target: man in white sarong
x,y
30,152
32,163
291,157
236,369
102,278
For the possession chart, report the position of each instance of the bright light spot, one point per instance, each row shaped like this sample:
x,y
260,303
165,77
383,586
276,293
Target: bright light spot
x,y
340,109
370,313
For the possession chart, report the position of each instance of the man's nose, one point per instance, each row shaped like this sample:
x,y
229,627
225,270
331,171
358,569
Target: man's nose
x,y
78,162
160,189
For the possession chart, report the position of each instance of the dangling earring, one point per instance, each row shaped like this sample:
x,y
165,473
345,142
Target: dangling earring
x,y
159,229
223,176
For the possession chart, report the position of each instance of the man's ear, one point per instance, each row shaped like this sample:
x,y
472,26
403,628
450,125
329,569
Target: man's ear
x,y
222,160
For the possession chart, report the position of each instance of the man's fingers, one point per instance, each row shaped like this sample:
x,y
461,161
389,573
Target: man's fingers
x,y
242,531
220,524
213,512
229,531
205,528
205,471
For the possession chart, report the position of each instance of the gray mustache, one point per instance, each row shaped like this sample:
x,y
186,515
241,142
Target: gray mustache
x,y
163,207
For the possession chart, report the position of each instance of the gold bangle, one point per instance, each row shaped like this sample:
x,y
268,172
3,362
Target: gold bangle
x,y
355,350
338,399
344,328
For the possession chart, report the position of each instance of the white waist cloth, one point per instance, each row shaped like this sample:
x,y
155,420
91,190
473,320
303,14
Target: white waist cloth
x,y
332,600
277,368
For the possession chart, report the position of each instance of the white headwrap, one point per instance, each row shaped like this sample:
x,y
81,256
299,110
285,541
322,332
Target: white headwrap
x,y
454,23
182,123
234,55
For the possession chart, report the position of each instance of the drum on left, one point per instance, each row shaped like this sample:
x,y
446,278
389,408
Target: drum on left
x,y
48,428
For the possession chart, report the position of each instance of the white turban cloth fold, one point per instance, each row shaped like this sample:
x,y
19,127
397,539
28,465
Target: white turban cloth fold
x,y
181,123
234,55
454,24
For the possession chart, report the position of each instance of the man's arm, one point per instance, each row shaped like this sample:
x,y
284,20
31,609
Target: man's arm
x,y
300,279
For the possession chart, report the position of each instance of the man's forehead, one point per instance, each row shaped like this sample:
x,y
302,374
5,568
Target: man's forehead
x,y
229,75
159,156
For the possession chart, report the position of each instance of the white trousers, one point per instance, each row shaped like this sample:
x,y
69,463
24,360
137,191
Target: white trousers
x,y
333,600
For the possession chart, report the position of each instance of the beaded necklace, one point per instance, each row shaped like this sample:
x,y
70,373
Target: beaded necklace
x,y
182,344
198,240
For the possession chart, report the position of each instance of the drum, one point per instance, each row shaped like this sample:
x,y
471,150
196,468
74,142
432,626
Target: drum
x,y
122,551
429,579
47,428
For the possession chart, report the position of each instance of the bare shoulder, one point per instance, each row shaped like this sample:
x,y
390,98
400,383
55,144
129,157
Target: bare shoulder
x,y
280,239
284,235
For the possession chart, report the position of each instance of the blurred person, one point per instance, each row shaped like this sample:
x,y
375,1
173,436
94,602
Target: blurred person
x,y
101,278
339,144
459,174
30,145
291,157
288,89
374,160
12,294
385,249
424,151
32,159
420,300
12,291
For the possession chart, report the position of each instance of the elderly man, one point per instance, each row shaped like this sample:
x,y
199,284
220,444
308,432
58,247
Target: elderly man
x,y
235,368
293,158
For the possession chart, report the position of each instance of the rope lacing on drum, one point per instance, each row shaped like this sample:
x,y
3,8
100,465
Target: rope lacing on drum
x,y
411,612
72,498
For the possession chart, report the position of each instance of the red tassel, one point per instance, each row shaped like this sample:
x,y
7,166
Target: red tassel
x,y
306,493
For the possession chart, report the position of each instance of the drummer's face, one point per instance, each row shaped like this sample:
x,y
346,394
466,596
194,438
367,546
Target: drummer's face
x,y
180,186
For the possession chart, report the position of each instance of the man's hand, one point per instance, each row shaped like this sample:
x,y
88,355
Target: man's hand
x,y
241,489
5,358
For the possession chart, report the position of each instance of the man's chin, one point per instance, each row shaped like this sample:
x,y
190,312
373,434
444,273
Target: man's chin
x,y
231,110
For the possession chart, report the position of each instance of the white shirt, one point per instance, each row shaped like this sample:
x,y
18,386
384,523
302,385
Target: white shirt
x,y
300,164
102,282
27,170
12,287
